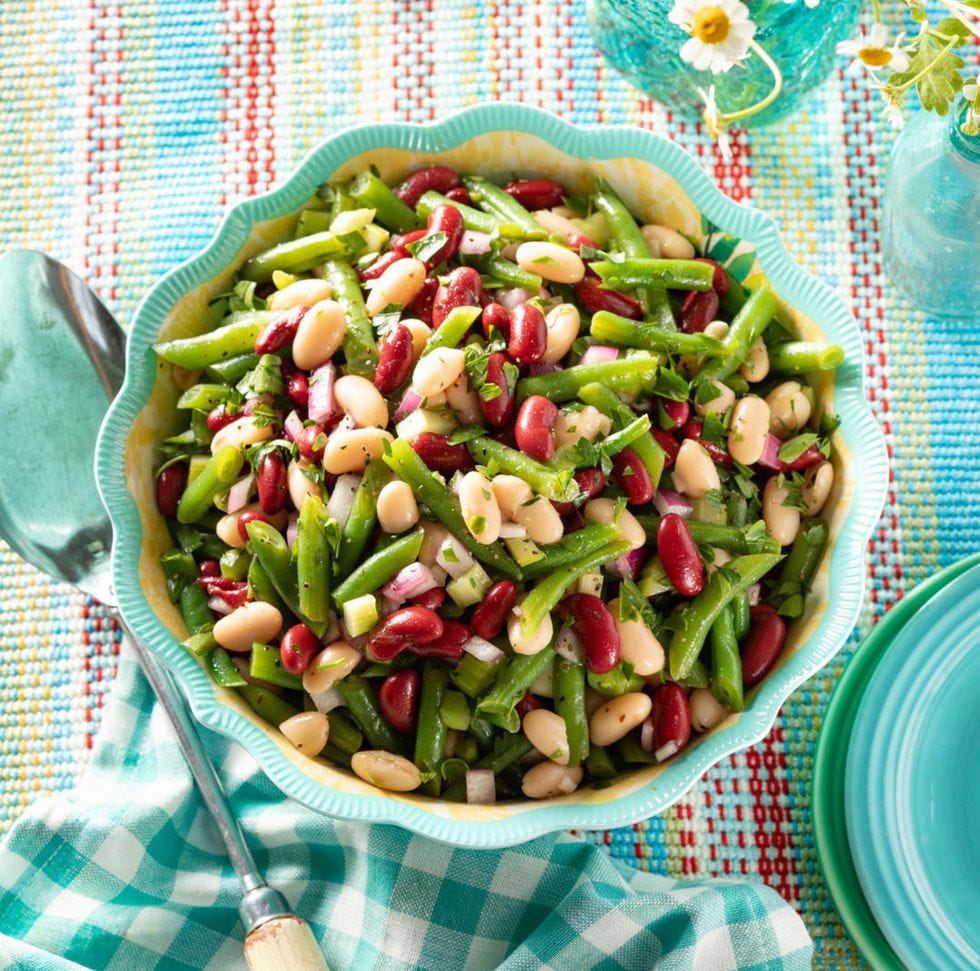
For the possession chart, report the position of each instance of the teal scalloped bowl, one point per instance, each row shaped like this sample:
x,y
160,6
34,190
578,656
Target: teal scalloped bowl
x,y
662,183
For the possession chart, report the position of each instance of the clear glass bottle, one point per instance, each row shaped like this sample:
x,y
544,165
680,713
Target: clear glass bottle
x,y
931,225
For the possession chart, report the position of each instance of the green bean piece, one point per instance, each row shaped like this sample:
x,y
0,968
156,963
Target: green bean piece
x,y
802,357
266,665
360,347
473,676
389,210
362,705
363,517
344,734
379,568
599,764
232,368
179,569
543,479
631,751
675,274
509,273
607,327
269,706
626,374
804,556
467,749
647,448
545,596
615,682
236,337
430,736
453,328
234,564
293,256
312,221
748,325
741,617
513,680
733,301
572,547
734,539
475,219
260,587
512,748
204,397
264,378
570,704
726,663
200,644
335,754
498,203
222,670
313,559
480,729
697,618
434,494
194,609
455,711
219,473
697,677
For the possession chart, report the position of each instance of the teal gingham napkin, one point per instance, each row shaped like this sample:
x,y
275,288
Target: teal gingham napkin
x,y
127,872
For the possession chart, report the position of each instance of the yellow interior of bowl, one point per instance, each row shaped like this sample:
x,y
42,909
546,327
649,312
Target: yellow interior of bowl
x,y
650,193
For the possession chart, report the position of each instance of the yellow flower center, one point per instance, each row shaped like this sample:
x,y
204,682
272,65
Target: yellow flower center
x,y
875,56
711,25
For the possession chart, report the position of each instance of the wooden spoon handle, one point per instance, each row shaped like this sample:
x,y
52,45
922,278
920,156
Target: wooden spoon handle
x,y
284,944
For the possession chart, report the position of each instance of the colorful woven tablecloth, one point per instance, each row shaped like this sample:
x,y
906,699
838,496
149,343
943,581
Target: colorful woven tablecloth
x,y
129,127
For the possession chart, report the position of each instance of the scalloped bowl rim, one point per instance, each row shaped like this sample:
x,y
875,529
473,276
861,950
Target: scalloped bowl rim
x,y
797,287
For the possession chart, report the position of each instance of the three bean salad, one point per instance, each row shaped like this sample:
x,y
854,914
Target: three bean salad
x,y
490,490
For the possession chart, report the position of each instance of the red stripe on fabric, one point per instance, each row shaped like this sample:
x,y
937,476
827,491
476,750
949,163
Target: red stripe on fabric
x,y
413,59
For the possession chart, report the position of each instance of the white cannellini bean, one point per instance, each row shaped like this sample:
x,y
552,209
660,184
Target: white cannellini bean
x,y
551,262
756,365
308,731
588,423
717,329
331,665
350,449
480,510
548,779
299,484
253,621
226,528
546,731
360,399
694,471
603,511
618,717
541,520
782,522
420,331
817,483
319,335
638,645
397,508
302,293
720,403
531,643
437,370
557,222
464,402
241,432
386,770
400,284
749,429
790,408
667,243
511,492
706,710
563,323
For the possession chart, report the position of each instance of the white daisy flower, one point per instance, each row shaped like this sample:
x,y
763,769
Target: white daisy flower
x,y
715,128
873,52
971,91
720,30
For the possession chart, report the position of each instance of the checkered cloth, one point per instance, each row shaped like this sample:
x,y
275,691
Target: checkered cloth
x,y
127,872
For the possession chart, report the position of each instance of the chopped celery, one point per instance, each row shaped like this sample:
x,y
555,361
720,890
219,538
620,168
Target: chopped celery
x,y
266,665
524,551
455,711
223,669
438,422
471,587
360,614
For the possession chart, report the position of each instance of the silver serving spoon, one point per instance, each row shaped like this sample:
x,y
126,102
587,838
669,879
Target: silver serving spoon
x,y
62,358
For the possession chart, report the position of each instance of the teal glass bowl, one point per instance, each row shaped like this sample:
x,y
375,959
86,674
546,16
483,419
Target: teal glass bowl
x,y
661,182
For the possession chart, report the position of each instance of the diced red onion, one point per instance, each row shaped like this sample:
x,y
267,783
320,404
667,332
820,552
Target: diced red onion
x,y
482,650
292,530
326,701
332,633
666,751
389,606
438,574
358,643
219,605
770,453
457,562
511,297
599,354
239,492
408,582
252,403
480,786
646,735
755,594
568,646
667,501
322,404
543,367
509,252
512,531
341,499
627,565
410,401
293,426
474,243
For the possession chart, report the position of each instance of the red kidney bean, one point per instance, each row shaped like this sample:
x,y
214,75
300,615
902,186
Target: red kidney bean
x,y
463,288
490,615
401,243
719,282
590,483
812,456
495,316
528,334
270,478
500,410
763,643
218,417
679,554
448,645
433,599
380,265
578,240
398,699
445,219
528,703
676,412
670,717
298,388
633,477
280,331
460,194
233,592
422,306
595,627
536,193
433,178
699,308
693,428
533,427
299,645
668,443
440,456
249,517
594,299
404,627
572,521
171,483
209,568
394,359
306,442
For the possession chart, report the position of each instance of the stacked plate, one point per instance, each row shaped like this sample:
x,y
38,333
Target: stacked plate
x,y
896,791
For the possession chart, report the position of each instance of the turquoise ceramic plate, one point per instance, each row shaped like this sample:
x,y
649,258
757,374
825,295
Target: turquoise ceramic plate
x,y
913,784
663,183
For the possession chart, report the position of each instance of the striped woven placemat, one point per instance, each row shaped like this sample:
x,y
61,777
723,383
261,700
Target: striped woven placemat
x,y
132,126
